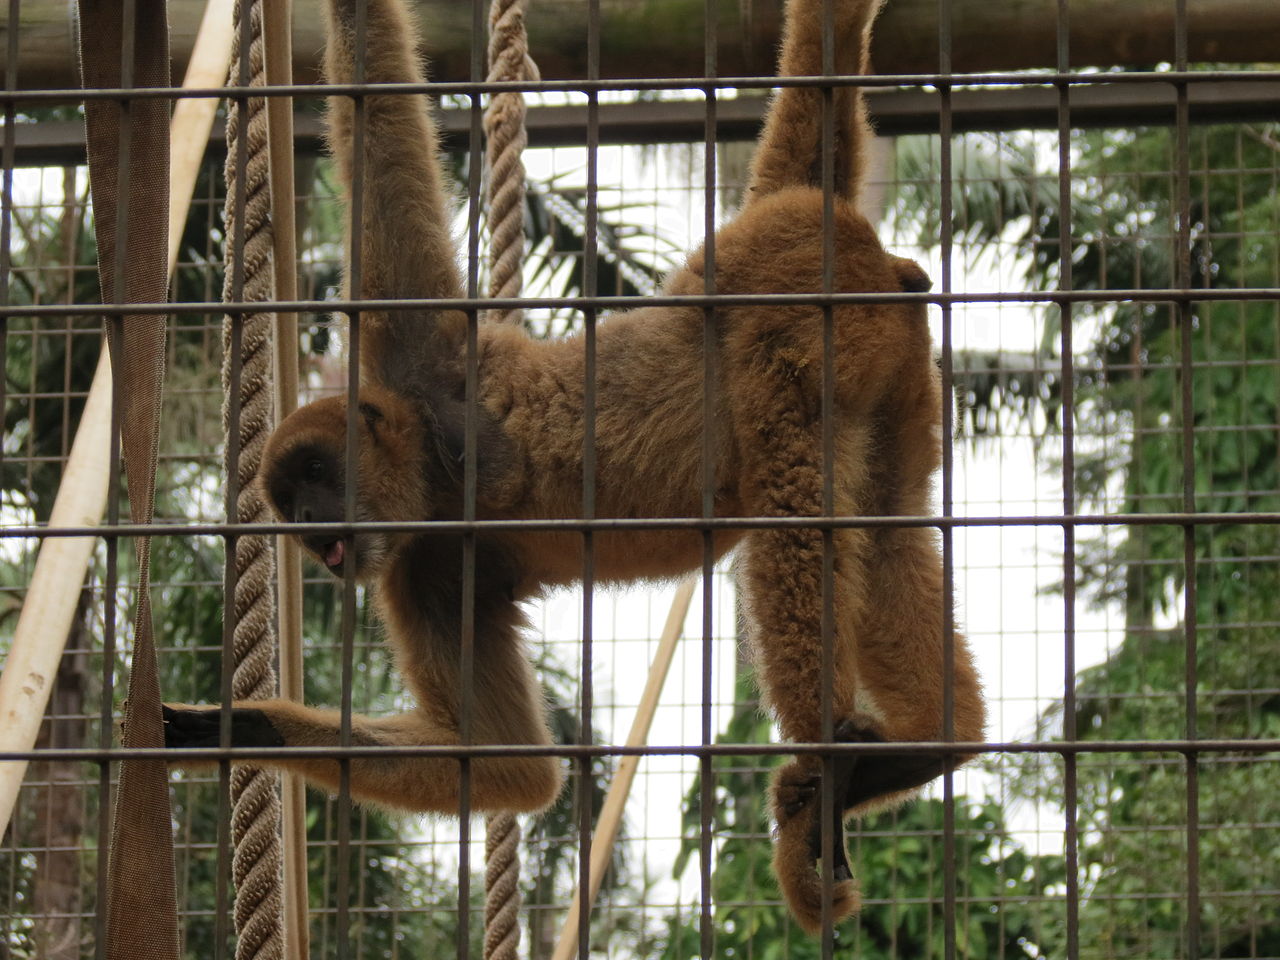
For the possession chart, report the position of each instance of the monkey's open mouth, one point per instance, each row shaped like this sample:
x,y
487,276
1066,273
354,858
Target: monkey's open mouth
x,y
332,554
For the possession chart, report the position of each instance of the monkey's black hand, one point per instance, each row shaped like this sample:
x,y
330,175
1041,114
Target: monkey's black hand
x,y
200,727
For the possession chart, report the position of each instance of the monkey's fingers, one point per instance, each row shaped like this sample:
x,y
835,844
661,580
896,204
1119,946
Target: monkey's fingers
x,y
843,776
186,727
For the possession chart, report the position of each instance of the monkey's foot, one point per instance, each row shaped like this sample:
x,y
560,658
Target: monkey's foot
x,y
201,727
878,776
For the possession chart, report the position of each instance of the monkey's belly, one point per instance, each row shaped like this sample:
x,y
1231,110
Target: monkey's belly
x,y
556,559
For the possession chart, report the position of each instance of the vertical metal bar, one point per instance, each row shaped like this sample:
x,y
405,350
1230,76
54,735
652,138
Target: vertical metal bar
x,y
706,766
827,639
1185,318
589,263
1066,321
6,239
231,491
945,127
6,193
470,478
355,276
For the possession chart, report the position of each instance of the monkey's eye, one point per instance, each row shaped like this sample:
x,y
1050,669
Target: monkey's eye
x,y
314,471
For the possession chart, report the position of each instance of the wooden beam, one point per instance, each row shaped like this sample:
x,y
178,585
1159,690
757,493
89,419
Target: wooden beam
x,y
895,112
648,38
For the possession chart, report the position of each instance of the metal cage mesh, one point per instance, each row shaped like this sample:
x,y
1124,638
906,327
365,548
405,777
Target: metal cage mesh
x,y
1108,313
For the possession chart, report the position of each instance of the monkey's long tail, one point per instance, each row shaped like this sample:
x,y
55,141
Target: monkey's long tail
x,y
795,866
801,882
790,151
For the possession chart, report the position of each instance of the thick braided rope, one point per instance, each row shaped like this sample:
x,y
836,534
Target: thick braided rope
x,y
502,887
255,818
504,126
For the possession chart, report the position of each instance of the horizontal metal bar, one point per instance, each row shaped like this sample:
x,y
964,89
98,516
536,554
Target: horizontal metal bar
x,y
894,112
940,81
1158,295
443,527
577,750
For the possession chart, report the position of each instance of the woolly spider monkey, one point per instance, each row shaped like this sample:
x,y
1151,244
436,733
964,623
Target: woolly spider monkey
x,y
888,665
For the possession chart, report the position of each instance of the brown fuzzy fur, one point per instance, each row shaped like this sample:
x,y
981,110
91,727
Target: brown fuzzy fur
x,y
888,669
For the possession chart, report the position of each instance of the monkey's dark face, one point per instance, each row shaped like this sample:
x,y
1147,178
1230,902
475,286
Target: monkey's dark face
x,y
308,485
304,477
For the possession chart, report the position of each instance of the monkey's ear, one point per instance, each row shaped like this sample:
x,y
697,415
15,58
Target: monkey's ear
x,y
372,416
913,278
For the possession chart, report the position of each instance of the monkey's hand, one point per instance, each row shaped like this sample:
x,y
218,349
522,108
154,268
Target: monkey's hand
x,y
797,808
188,726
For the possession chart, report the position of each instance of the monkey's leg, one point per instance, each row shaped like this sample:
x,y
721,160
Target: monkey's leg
x,y
790,150
900,637
406,783
905,671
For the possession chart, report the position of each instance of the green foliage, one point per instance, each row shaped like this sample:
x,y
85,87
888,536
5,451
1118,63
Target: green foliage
x,y
1134,414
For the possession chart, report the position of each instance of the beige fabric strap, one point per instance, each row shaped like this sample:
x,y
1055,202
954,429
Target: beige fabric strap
x,y
128,150
255,793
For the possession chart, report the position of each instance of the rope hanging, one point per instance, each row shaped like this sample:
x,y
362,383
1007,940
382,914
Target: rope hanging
x,y
255,819
504,127
505,136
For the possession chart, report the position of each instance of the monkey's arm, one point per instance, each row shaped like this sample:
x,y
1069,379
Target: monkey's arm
x,y
406,247
789,153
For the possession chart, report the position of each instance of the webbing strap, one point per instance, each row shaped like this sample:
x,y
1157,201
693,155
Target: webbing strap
x,y
128,152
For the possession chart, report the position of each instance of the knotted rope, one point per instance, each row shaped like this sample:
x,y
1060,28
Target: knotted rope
x,y
504,127
255,819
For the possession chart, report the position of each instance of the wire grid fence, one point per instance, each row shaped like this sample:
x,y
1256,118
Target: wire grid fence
x,y
1111,435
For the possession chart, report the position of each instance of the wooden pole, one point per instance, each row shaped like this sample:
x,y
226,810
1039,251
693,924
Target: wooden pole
x,y
50,603
616,800
277,43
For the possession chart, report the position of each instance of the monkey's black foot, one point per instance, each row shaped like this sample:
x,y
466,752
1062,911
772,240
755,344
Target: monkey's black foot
x,y
880,774
201,727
